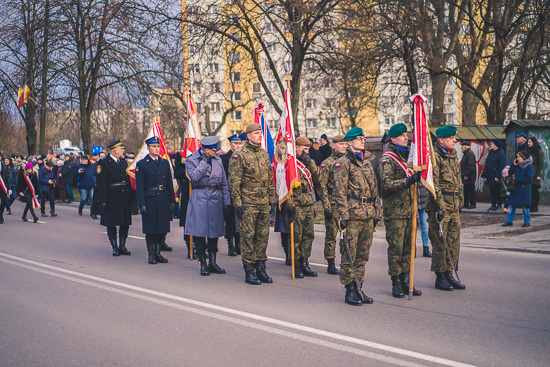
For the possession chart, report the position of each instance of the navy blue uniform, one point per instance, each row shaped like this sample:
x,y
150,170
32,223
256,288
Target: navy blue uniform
x,y
155,191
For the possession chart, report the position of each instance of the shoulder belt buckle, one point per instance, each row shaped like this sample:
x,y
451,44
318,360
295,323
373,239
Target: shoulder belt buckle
x,y
364,200
162,187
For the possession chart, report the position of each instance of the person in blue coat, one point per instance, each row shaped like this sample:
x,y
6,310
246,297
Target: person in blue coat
x,y
522,172
155,197
492,172
46,182
85,176
209,199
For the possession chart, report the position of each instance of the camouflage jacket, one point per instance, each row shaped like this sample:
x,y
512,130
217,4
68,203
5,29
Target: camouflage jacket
x,y
327,179
396,196
447,182
251,177
301,196
355,188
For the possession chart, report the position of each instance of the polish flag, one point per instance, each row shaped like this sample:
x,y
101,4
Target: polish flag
x,y
193,132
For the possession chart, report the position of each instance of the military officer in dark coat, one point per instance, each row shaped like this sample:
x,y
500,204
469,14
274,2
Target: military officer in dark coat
x,y
156,200
115,196
231,235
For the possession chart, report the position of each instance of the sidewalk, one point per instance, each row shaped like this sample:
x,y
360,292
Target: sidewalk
x,y
535,239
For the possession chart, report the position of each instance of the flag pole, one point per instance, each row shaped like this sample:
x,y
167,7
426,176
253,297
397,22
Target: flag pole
x,y
413,239
288,79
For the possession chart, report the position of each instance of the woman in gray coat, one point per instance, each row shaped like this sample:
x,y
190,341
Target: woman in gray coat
x,y
209,198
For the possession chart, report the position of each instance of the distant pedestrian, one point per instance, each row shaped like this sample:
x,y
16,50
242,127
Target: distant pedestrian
x,y
85,177
520,195
5,189
27,186
46,182
538,165
492,172
468,173
66,175
325,150
521,141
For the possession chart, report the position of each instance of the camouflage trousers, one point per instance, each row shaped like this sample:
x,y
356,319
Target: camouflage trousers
x,y
451,227
331,228
398,236
303,231
254,229
359,237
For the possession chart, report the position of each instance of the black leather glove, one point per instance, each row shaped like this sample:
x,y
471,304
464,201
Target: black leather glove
x,y
291,214
343,224
143,210
328,214
272,208
225,210
440,216
239,212
103,205
375,222
305,158
204,158
413,179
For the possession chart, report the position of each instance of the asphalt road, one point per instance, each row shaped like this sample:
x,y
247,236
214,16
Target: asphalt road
x,y
65,301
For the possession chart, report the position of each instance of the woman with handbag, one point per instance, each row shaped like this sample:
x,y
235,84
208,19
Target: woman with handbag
x,y
520,190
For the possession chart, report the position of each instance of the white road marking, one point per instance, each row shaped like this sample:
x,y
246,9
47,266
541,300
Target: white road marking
x,y
213,312
316,264
130,236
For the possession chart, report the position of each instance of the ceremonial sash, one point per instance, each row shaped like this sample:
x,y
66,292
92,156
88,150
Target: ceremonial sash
x,y
306,173
408,171
2,183
35,203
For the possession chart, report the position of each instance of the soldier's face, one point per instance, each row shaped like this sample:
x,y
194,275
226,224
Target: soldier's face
x,y
401,140
255,137
448,143
153,150
358,143
300,149
340,147
236,145
118,152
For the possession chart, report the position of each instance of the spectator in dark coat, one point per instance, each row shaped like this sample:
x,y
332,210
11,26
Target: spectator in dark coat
x,y
521,141
8,168
538,165
85,175
492,172
66,176
27,184
520,197
46,182
325,150
468,173
423,219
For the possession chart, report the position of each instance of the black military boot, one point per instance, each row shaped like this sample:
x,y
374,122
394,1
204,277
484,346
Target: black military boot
x,y
442,283
151,251
332,267
231,247
405,283
396,290
212,266
122,250
204,267
238,243
285,243
452,281
114,246
34,218
304,265
160,259
351,296
164,247
364,298
261,273
24,218
426,252
250,274
298,270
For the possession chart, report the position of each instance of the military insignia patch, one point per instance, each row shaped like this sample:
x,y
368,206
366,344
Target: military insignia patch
x,y
384,161
322,166
337,165
235,156
98,169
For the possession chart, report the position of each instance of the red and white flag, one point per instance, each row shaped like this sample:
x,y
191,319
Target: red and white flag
x,y
193,132
286,169
420,154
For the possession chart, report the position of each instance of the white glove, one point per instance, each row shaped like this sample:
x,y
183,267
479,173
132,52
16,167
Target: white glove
x,y
21,194
9,192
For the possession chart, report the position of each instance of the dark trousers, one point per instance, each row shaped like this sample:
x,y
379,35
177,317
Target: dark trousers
x,y
496,199
3,201
202,245
158,238
469,194
535,197
230,225
122,233
28,205
47,195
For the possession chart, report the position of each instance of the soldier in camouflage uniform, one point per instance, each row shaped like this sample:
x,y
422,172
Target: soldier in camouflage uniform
x,y
445,208
252,192
327,186
300,209
358,206
396,186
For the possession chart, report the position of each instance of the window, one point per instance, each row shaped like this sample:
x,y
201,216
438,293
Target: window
x,y
233,38
450,98
214,87
271,85
236,96
232,18
194,68
193,29
465,29
272,125
310,65
311,122
198,107
233,57
214,125
311,103
214,50
330,102
214,68
270,105
390,120
450,118
236,116
256,87
311,83
331,122
235,77
215,106
269,28
229,2
287,67
193,49
212,9
271,47
408,119
194,9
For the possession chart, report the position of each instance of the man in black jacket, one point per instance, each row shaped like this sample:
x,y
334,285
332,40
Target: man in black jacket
x,y
468,173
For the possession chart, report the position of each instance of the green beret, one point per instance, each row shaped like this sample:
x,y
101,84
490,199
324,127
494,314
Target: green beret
x,y
397,130
353,133
446,131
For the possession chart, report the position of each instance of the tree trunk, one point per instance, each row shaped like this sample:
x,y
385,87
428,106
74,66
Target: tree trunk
x,y
30,127
44,94
469,108
438,98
